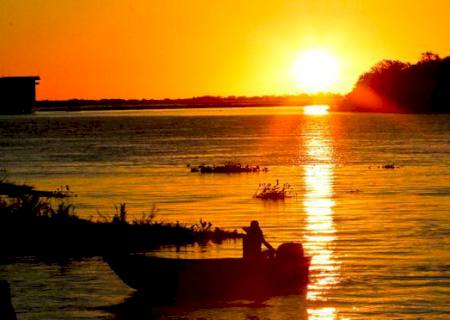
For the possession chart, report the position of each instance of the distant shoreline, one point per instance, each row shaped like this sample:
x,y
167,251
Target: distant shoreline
x,y
333,108
187,103
156,107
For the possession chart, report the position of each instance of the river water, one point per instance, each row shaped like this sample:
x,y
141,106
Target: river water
x,y
379,238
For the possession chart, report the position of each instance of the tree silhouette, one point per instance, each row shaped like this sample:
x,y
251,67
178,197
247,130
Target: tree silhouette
x,y
395,86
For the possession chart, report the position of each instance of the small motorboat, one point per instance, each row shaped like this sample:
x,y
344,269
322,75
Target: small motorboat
x,y
286,272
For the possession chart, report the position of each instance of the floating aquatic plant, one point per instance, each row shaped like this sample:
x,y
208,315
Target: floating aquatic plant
x,y
230,167
268,191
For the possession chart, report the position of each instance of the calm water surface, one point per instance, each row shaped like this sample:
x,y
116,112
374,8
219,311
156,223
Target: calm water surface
x,y
380,239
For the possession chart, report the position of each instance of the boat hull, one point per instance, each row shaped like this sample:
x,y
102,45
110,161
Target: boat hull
x,y
211,277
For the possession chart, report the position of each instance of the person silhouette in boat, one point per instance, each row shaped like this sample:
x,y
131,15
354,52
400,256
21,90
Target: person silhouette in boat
x,y
253,239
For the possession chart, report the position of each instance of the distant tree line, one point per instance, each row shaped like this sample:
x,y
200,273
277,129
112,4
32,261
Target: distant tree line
x,y
203,101
395,86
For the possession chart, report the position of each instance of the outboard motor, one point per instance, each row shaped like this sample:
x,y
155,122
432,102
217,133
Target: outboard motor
x,y
290,251
290,267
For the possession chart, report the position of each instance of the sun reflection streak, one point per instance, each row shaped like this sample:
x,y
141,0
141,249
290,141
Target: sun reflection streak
x,y
322,314
320,230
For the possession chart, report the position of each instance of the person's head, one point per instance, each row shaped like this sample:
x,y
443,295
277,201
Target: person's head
x,y
254,224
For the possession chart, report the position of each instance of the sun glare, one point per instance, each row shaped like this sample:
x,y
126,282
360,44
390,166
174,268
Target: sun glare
x,y
316,71
318,110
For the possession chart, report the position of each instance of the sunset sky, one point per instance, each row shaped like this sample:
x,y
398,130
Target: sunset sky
x,y
162,48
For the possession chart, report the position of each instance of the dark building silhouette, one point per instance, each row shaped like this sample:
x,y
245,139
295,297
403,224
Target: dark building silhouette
x,y
17,94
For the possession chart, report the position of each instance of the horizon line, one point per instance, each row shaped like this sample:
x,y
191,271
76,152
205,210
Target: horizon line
x,y
267,96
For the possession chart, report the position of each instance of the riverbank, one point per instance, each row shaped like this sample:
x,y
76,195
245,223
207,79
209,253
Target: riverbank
x,y
32,226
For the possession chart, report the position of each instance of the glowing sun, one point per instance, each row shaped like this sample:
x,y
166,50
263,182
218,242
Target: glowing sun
x,y
316,71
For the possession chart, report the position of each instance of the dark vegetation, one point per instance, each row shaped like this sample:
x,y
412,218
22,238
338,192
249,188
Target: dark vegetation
x,y
40,226
195,102
230,167
395,86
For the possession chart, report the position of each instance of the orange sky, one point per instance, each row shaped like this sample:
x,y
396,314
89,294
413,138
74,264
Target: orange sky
x,y
163,48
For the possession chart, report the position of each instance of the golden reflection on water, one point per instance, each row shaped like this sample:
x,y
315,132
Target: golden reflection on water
x,y
322,314
320,230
